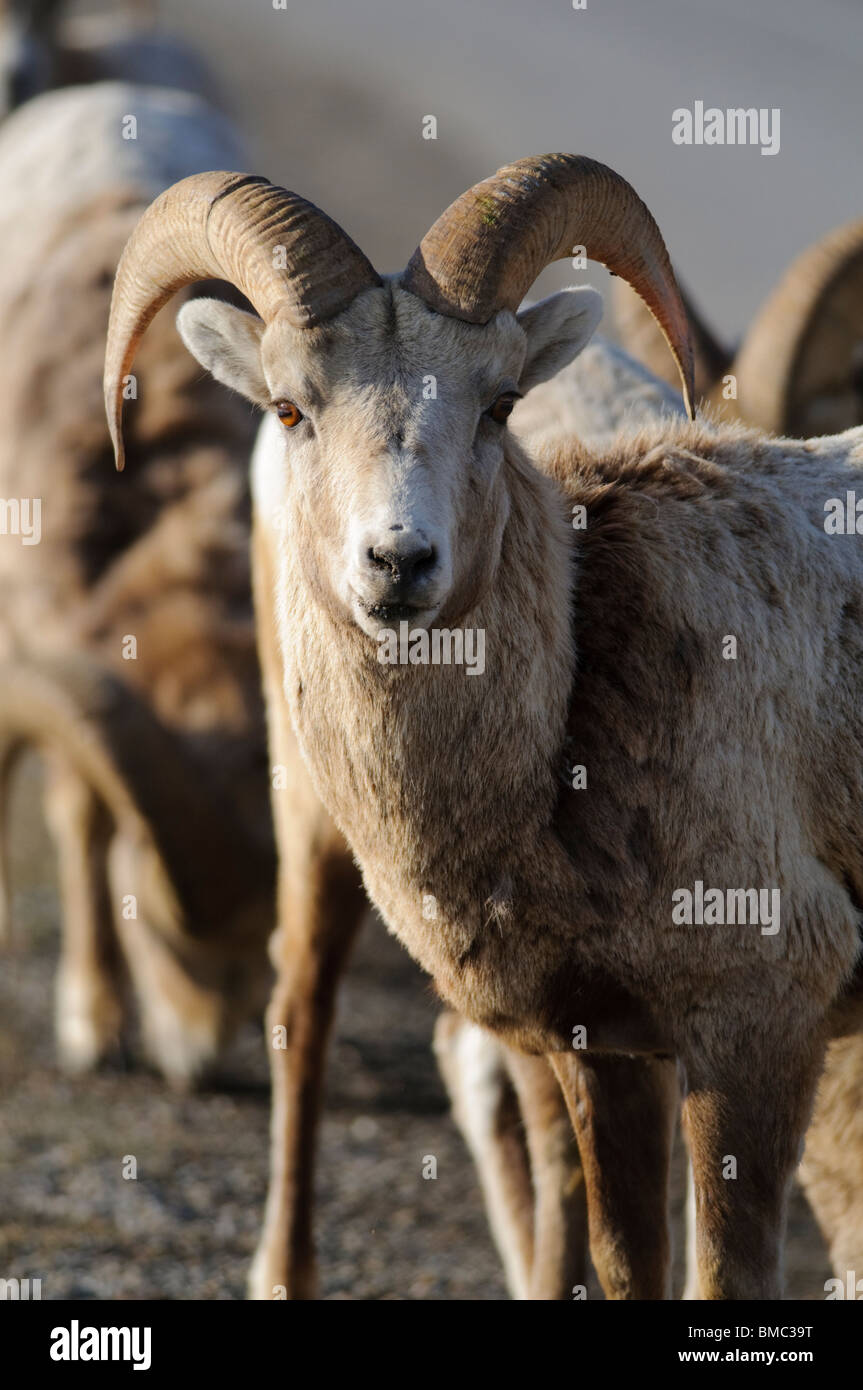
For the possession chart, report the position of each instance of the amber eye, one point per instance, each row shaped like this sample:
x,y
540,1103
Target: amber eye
x,y
289,414
501,408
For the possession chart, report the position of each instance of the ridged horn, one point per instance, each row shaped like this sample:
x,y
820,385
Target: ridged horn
x,y
640,335
799,368
279,250
484,253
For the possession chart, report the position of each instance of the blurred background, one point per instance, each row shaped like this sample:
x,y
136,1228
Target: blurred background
x,y
330,96
333,95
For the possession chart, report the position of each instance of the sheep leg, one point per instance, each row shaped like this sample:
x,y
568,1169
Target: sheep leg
x,y
560,1212
690,1289
485,1108
833,1161
745,1116
320,905
89,1009
182,1012
623,1110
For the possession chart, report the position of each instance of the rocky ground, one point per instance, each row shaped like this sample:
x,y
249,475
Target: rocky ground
x,y
186,1227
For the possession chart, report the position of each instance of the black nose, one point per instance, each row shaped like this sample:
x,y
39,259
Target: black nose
x,y
402,563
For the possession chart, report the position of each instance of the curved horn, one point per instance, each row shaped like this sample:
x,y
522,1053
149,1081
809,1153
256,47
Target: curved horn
x,y
797,365
640,335
486,250
280,251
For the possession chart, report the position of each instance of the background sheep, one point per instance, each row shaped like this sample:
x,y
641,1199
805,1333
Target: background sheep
x,y
165,583
799,368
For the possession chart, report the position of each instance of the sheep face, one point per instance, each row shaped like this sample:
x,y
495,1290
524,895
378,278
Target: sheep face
x,y
393,426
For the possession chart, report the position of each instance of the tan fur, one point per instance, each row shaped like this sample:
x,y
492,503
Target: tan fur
x,y
161,554
552,913
697,768
165,559
822,394
832,1168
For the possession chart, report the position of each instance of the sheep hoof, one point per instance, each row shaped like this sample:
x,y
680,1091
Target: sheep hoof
x,y
88,1024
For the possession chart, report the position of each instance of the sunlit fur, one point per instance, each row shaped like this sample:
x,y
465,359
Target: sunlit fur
x,y
604,647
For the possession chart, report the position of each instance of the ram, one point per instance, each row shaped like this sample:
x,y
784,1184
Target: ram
x,y
553,910
127,657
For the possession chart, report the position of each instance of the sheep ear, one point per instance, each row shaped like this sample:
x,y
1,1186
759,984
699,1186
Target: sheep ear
x,y
557,329
227,341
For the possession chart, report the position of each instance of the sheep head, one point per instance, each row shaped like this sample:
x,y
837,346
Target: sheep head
x,y
392,394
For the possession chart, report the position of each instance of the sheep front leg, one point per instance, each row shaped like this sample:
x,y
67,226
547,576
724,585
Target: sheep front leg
x,y
623,1110
89,1005
745,1115
321,905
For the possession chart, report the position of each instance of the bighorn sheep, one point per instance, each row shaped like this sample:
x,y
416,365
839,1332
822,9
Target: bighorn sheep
x,y
157,790
799,368
157,785
541,911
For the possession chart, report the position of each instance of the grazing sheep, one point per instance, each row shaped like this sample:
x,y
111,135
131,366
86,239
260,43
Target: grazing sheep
x,y
156,595
799,369
541,910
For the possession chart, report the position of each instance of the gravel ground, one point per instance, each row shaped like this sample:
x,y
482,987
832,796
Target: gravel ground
x,y
187,1226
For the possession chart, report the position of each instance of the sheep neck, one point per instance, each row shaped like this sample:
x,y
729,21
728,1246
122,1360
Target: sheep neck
x,y
444,783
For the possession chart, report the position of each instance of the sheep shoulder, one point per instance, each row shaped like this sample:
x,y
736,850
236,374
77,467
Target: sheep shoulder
x,y
715,710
